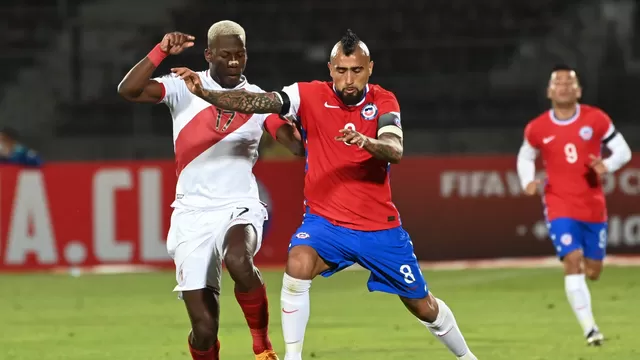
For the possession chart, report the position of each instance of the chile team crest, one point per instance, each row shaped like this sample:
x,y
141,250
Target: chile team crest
x,y
586,132
369,111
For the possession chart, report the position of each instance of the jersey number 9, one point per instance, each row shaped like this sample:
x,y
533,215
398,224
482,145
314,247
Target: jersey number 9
x,y
571,153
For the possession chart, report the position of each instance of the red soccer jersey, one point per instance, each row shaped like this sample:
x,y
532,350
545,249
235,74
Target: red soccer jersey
x,y
572,188
344,183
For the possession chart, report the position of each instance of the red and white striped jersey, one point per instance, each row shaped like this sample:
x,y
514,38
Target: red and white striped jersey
x,y
215,149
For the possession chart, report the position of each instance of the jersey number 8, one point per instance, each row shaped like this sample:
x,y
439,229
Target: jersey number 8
x,y
409,278
349,126
571,153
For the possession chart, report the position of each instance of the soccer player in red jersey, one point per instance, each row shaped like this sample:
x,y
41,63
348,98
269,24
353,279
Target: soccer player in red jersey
x,y
352,133
217,215
570,137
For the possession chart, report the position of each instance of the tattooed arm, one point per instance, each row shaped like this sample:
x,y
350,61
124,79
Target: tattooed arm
x,y
387,147
244,101
241,101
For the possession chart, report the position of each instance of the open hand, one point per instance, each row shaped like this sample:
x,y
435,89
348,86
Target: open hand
x,y
191,79
350,137
597,165
176,42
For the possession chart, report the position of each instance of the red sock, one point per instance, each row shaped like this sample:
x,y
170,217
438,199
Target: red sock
x,y
255,307
212,354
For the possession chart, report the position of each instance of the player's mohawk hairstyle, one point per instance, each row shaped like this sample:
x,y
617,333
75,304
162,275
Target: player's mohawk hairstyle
x,y
350,42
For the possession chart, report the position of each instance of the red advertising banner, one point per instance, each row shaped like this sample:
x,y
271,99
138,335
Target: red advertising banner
x,y
89,214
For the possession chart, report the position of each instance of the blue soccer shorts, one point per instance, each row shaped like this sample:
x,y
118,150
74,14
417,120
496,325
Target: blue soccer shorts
x,y
387,254
569,235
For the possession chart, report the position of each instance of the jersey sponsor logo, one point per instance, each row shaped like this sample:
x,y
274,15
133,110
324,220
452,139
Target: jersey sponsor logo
x,y
302,235
548,139
369,111
566,239
326,104
586,132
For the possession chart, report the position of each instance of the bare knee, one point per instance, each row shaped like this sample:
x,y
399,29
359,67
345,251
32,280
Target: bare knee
x,y
593,269
304,263
425,309
573,263
203,332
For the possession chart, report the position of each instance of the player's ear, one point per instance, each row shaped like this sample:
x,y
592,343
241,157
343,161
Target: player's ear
x,y
579,92
549,92
330,67
208,55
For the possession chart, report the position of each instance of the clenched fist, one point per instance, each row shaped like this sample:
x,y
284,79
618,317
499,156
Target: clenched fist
x,y
176,42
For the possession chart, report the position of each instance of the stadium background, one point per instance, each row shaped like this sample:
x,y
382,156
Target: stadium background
x,y
468,78
468,75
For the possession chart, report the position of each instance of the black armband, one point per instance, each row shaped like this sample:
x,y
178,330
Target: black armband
x,y
608,138
286,103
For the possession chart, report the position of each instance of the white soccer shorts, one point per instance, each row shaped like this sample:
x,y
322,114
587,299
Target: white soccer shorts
x,y
196,238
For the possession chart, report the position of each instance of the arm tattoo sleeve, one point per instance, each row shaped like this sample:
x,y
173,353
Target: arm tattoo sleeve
x,y
248,102
387,147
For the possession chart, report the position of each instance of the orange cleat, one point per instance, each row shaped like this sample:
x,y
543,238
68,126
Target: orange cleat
x,y
267,355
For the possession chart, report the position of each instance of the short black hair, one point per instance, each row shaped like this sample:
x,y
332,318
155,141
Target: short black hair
x,y
562,67
566,67
349,42
9,132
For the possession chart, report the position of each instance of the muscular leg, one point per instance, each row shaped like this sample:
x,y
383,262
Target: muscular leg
x,y
303,264
203,308
239,245
439,319
593,268
577,290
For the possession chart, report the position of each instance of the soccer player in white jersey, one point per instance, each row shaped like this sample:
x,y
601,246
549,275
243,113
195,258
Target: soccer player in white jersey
x,y
217,215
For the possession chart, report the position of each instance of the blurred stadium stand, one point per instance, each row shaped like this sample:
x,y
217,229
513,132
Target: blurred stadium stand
x,y
468,74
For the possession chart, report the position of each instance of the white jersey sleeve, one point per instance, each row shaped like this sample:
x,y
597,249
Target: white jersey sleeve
x,y
526,163
174,90
293,92
620,151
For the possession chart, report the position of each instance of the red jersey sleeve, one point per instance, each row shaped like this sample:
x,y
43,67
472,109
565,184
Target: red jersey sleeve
x,y
388,103
530,135
272,123
603,126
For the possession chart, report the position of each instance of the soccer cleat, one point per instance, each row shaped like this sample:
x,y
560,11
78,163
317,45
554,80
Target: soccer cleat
x,y
595,338
267,355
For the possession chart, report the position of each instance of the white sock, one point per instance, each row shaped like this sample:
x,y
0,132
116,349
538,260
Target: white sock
x,y
446,330
294,299
580,299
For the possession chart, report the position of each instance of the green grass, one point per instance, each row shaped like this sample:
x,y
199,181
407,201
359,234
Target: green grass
x,y
504,314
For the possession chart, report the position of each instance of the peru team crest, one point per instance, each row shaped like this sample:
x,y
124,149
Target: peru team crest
x,y
586,132
369,111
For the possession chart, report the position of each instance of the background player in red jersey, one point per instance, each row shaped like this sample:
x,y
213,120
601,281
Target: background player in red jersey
x,y
352,133
217,213
570,137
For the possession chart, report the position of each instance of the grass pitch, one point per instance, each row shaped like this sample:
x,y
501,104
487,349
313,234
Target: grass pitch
x,y
505,314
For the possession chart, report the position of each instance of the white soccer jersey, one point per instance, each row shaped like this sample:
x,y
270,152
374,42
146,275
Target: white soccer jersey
x,y
215,149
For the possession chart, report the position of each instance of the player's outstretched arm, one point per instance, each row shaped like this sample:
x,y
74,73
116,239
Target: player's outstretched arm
x,y
387,147
241,101
137,85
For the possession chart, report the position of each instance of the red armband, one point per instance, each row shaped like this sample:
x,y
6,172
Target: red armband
x,y
157,55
